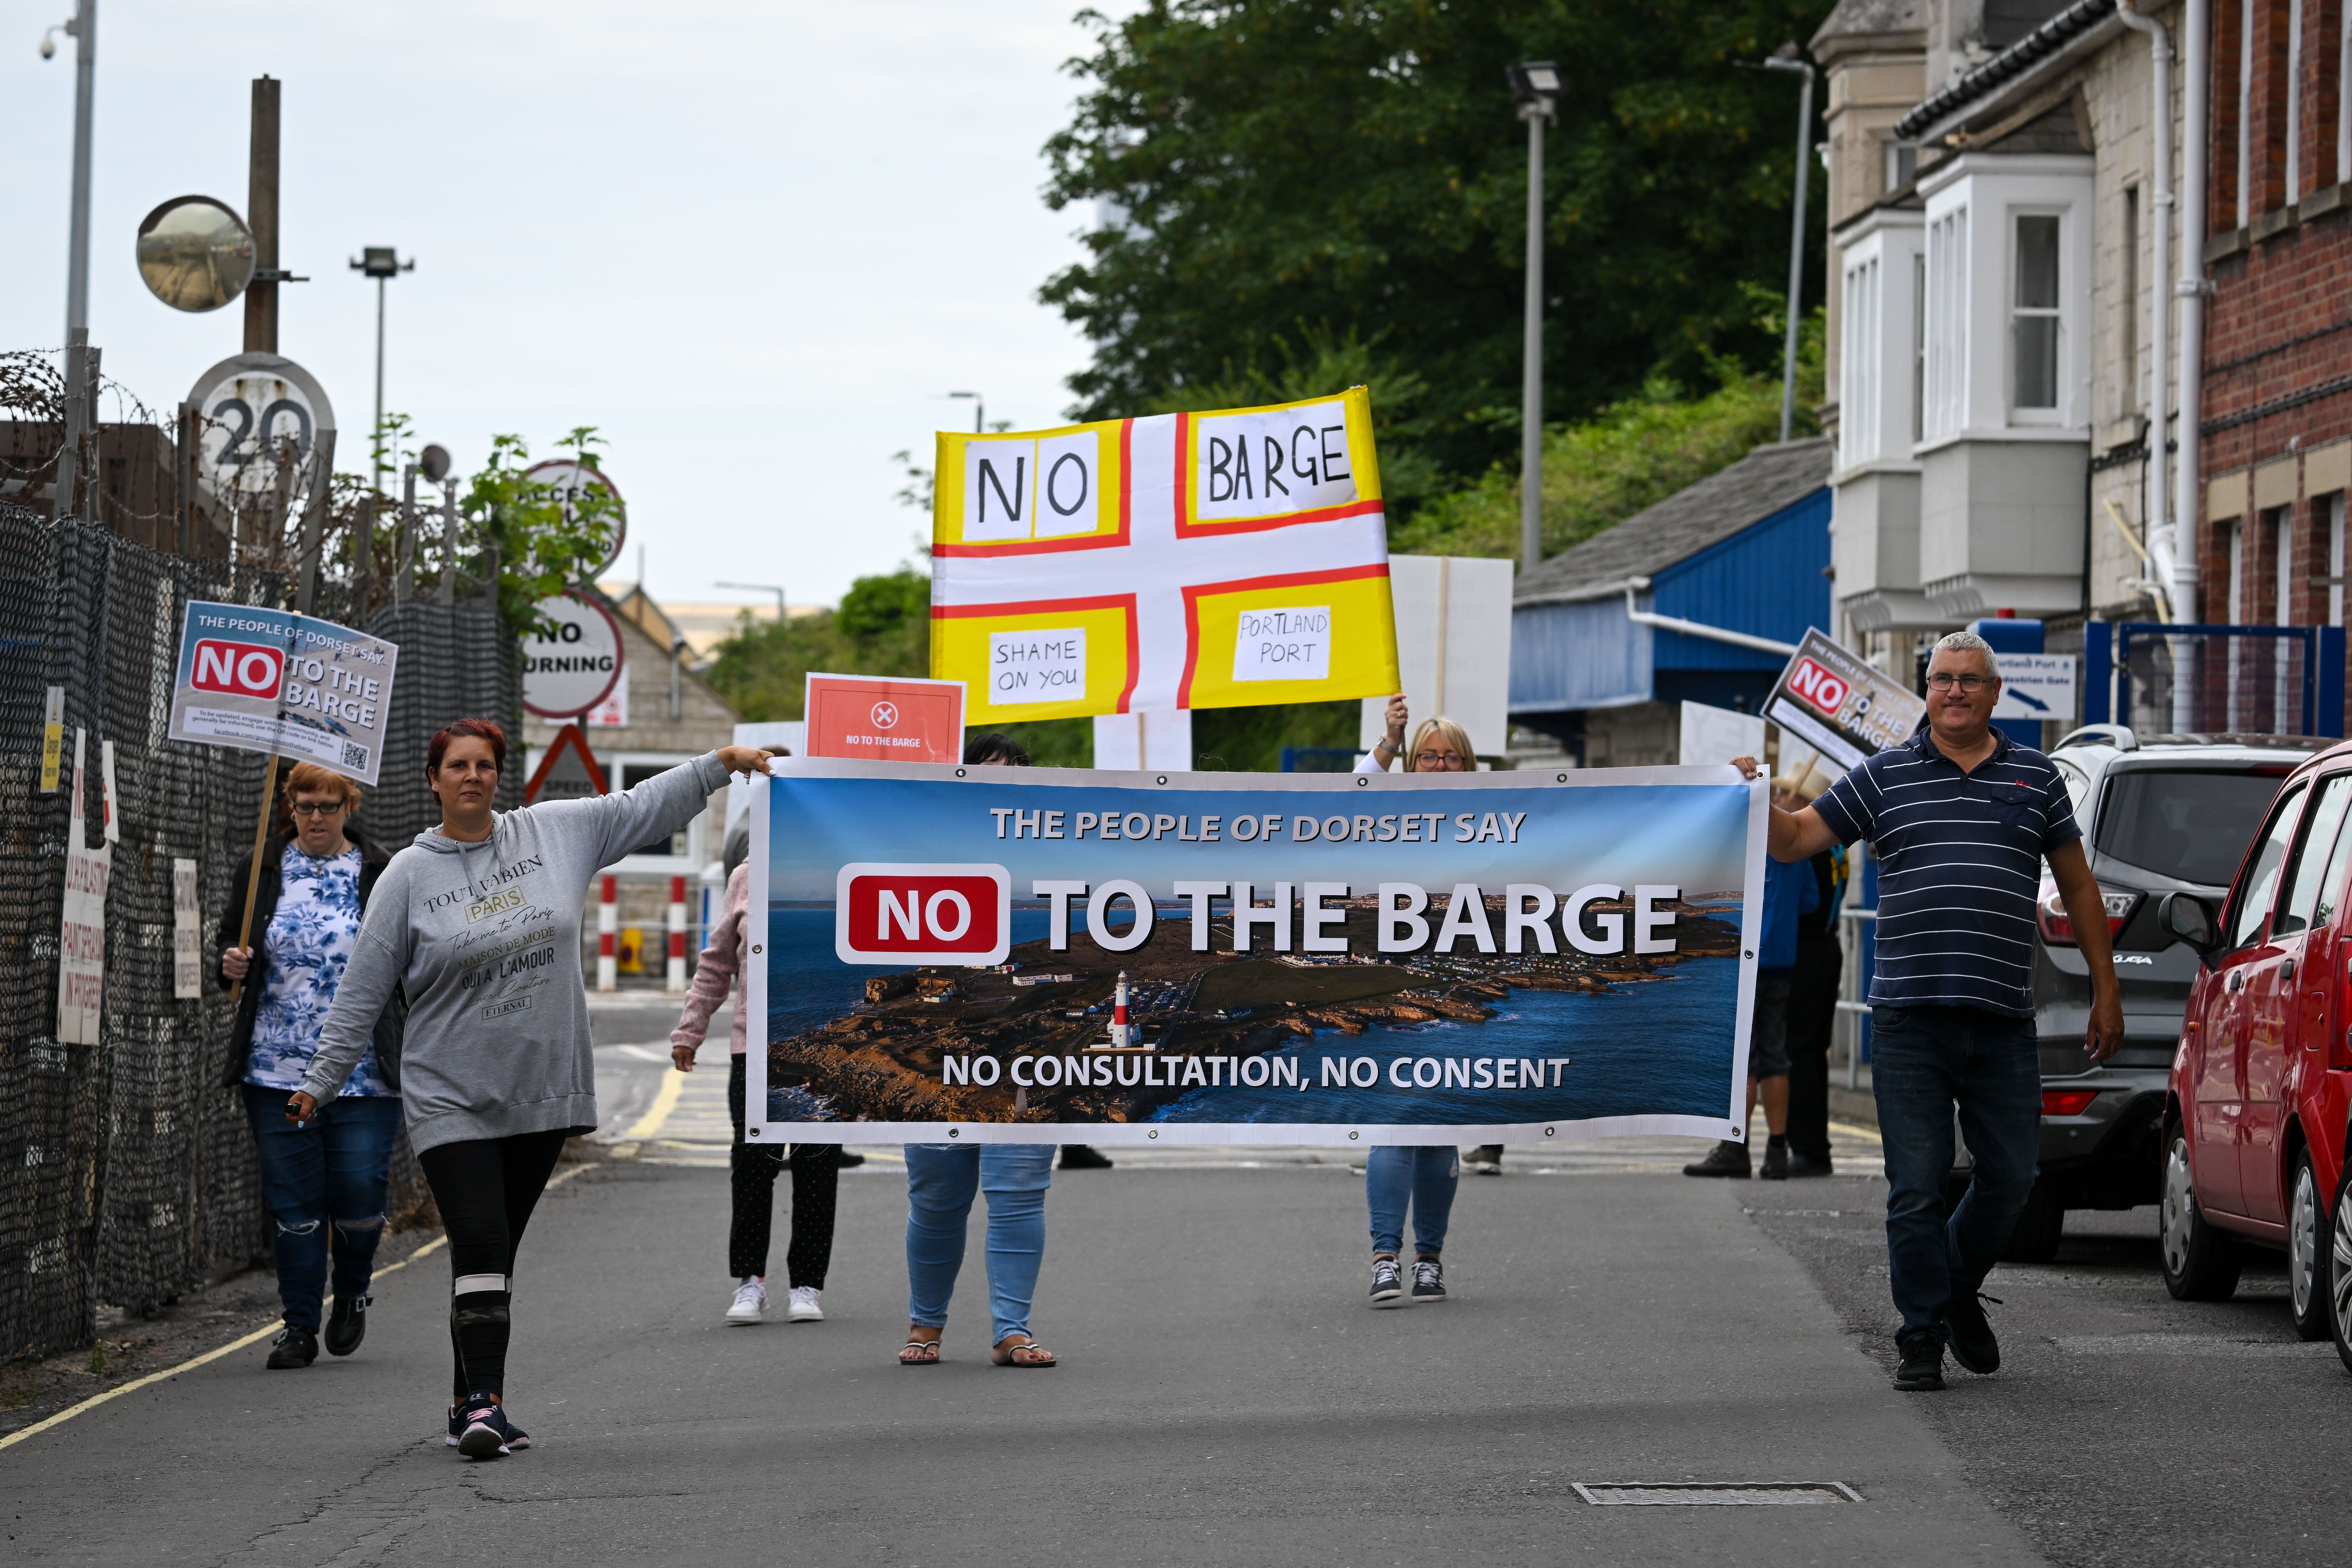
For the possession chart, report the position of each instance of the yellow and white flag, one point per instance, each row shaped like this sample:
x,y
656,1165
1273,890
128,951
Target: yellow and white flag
x,y
1220,560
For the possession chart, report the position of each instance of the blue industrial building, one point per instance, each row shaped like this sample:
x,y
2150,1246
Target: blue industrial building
x,y
1700,598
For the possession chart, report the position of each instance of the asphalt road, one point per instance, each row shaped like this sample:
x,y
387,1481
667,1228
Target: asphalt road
x,y
1227,1396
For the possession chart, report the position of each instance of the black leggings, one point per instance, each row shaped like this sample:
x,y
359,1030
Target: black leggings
x,y
485,1189
751,1184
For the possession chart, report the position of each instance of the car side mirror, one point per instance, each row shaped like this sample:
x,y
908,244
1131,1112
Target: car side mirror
x,y
2185,918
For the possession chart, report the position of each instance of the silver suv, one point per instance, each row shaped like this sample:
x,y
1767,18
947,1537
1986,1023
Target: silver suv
x,y
2158,814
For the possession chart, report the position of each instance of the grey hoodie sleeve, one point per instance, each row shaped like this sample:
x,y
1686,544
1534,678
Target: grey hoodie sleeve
x,y
379,959
662,804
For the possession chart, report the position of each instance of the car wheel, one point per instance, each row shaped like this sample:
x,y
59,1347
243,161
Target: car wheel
x,y
2039,1226
2200,1262
2307,1235
2337,1265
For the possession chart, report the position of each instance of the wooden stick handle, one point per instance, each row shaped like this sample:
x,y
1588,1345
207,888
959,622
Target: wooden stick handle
x,y
252,877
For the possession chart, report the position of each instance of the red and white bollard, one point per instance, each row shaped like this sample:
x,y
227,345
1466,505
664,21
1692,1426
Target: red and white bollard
x,y
676,979
608,936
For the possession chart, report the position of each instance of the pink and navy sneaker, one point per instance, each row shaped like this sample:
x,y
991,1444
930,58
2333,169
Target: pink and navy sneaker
x,y
478,1428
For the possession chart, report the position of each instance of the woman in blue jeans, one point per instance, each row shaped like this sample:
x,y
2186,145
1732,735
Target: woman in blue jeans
x,y
323,1181
942,1181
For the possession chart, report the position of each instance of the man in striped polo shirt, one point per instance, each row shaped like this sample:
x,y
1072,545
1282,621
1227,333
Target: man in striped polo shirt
x,y
1962,817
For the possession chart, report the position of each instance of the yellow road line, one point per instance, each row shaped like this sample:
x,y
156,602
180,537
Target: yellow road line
x,y
1851,1130
94,1400
665,1101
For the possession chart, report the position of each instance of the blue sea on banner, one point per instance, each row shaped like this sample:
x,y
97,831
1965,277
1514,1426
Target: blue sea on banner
x,y
1656,1048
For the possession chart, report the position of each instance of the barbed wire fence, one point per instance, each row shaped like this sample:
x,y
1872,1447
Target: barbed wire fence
x,y
131,1177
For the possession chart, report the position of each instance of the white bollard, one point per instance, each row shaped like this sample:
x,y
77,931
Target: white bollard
x,y
608,936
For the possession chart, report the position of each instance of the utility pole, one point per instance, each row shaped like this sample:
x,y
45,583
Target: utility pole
x,y
1536,86
383,263
84,30
1784,59
261,216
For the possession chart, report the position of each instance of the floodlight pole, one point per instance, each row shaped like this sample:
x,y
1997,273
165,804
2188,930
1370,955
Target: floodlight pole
x,y
84,29
383,263
1535,111
979,411
775,588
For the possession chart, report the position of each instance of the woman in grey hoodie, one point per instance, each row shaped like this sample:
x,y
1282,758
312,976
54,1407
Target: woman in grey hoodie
x,y
476,925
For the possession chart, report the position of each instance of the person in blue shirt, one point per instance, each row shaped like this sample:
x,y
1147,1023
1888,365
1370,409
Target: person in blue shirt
x,y
1791,893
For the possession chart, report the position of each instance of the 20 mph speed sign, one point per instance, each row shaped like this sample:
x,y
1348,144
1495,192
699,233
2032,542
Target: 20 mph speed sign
x,y
573,665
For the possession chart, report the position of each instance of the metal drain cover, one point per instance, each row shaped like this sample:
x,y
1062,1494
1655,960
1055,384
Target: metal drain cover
x,y
1690,1494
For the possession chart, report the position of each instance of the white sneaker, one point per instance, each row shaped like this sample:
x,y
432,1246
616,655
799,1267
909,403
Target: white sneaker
x,y
750,1302
807,1305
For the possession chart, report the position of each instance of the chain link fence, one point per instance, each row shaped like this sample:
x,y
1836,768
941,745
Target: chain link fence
x,y
130,1171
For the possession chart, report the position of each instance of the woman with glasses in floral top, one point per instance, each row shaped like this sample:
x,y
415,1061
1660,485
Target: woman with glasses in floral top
x,y
1425,1177
324,1180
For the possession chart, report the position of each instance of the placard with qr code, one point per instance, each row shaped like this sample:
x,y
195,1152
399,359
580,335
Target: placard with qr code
x,y
271,681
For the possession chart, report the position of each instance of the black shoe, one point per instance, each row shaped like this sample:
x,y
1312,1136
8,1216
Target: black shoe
x,y
1388,1281
347,1325
1776,1162
292,1347
1802,1165
1973,1344
1428,1281
844,1160
1921,1370
1082,1157
1486,1160
1725,1158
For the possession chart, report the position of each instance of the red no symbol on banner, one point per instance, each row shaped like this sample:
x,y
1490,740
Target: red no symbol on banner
x,y
239,668
923,913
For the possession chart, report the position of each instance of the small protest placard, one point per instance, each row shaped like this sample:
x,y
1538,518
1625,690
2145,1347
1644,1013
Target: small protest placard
x,y
1832,700
271,681
878,720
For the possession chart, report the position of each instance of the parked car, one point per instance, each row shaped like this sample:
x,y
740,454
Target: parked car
x,y
2260,1096
2161,814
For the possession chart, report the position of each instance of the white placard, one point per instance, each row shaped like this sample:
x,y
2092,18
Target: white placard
x,y
2037,686
1047,666
1453,647
187,932
1712,735
1284,645
1273,460
81,930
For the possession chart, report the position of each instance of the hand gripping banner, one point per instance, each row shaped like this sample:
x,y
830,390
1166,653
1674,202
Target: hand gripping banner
x,y
1220,560
1047,955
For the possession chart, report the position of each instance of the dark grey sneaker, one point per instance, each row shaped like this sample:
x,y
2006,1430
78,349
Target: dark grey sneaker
x,y
1428,1281
1921,1370
292,1347
1388,1281
1725,1158
1974,1345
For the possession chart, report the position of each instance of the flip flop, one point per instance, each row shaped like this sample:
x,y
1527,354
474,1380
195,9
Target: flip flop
x,y
919,1359
1003,1355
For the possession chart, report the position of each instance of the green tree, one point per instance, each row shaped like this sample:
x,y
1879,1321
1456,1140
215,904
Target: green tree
x,y
1358,167
882,626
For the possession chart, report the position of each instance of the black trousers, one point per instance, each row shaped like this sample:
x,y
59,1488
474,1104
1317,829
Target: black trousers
x,y
752,1184
1812,1014
485,1189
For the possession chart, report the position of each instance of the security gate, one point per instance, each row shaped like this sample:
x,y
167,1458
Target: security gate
x,y
2156,678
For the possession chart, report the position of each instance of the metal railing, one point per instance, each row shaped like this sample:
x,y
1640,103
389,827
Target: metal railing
x,y
1849,1044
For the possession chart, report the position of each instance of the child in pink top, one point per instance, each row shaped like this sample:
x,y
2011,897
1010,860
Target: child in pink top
x,y
751,1171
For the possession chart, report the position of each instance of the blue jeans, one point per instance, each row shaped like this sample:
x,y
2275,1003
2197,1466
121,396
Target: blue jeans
x,y
324,1184
942,1181
1923,1062
1428,1177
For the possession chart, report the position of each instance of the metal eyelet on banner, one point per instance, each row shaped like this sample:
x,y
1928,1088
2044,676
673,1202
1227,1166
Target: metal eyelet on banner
x,y
1363,779
1743,954
1153,1133
1163,778
753,1132
955,1133
1547,1132
1563,778
1351,1138
755,947
959,773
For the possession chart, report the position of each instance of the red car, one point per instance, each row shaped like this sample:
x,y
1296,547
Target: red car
x,y
2260,1105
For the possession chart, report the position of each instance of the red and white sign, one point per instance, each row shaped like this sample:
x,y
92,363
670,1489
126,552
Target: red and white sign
x,y
238,669
1817,685
887,720
935,913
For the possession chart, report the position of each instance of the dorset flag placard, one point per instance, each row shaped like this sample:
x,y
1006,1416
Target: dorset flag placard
x,y
1220,560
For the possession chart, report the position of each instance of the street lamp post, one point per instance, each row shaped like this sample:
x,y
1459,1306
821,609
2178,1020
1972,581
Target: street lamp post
x,y
83,30
979,411
775,588
1784,59
1535,85
383,263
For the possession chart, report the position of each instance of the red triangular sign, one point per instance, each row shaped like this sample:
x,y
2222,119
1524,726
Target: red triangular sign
x,y
567,772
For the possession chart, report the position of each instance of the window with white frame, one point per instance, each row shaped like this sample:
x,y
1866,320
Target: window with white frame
x,y
1858,395
1947,325
2033,314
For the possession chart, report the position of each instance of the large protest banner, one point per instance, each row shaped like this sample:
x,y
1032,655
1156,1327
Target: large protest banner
x,y
1041,955
271,681
1219,560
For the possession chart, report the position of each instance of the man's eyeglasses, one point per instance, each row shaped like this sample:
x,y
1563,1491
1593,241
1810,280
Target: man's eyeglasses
x,y
1944,680
1439,760
317,807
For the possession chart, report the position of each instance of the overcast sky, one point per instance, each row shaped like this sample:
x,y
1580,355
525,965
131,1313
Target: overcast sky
x,y
751,242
